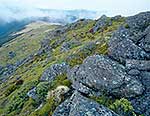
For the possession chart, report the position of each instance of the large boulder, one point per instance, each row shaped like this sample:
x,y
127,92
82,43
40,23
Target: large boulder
x,y
139,21
142,65
100,73
122,47
53,71
78,105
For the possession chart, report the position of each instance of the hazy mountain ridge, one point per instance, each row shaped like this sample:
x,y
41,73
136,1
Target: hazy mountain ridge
x,y
14,24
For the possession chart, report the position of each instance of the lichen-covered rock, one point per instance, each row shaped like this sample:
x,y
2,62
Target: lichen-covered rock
x,y
142,104
101,23
45,46
145,78
53,71
78,105
121,46
69,45
100,73
142,65
139,21
134,72
145,41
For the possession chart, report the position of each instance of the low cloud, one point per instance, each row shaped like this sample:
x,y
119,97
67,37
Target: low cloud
x,y
20,9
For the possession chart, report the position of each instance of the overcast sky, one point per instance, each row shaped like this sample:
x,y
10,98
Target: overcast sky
x,y
113,7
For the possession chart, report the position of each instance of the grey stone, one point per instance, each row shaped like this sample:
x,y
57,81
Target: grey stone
x,y
45,47
11,54
121,47
145,41
116,18
53,71
101,23
141,104
134,72
32,93
79,105
145,78
100,73
139,21
142,65
69,45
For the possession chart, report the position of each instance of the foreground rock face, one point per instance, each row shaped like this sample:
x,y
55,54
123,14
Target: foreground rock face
x,y
102,74
78,105
55,70
130,45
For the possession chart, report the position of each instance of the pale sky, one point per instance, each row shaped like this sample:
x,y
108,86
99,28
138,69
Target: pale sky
x,y
110,7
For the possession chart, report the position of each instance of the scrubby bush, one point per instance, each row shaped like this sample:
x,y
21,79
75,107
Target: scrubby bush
x,y
123,107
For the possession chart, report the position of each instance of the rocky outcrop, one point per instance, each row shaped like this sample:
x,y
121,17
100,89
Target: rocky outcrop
x,y
100,73
78,105
53,71
101,23
130,45
45,46
69,45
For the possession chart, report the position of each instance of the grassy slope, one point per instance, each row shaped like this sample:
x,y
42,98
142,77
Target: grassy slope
x,y
13,98
26,43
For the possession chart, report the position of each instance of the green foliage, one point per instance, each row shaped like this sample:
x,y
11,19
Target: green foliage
x,y
123,107
10,89
41,90
47,109
103,100
60,80
20,97
126,26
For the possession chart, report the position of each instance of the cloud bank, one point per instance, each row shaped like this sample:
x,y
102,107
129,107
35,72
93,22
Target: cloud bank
x,y
20,9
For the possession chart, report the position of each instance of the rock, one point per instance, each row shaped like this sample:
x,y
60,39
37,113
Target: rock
x,y
134,72
141,104
11,54
100,73
101,23
85,90
45,46
145,41
121,47
141,65
116,18
139,21
145,78
79,105
1,70
53,71
32,93
69,45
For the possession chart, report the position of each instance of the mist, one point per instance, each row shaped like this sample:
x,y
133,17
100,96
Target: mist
x,y
20,9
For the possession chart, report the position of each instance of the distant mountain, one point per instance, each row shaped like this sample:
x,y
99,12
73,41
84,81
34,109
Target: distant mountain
x,y
47,15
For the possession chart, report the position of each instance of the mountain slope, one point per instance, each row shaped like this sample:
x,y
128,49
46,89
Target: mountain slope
x,y
77,68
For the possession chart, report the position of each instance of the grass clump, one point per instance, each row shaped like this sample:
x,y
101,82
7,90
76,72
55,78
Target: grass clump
x,y
123,107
